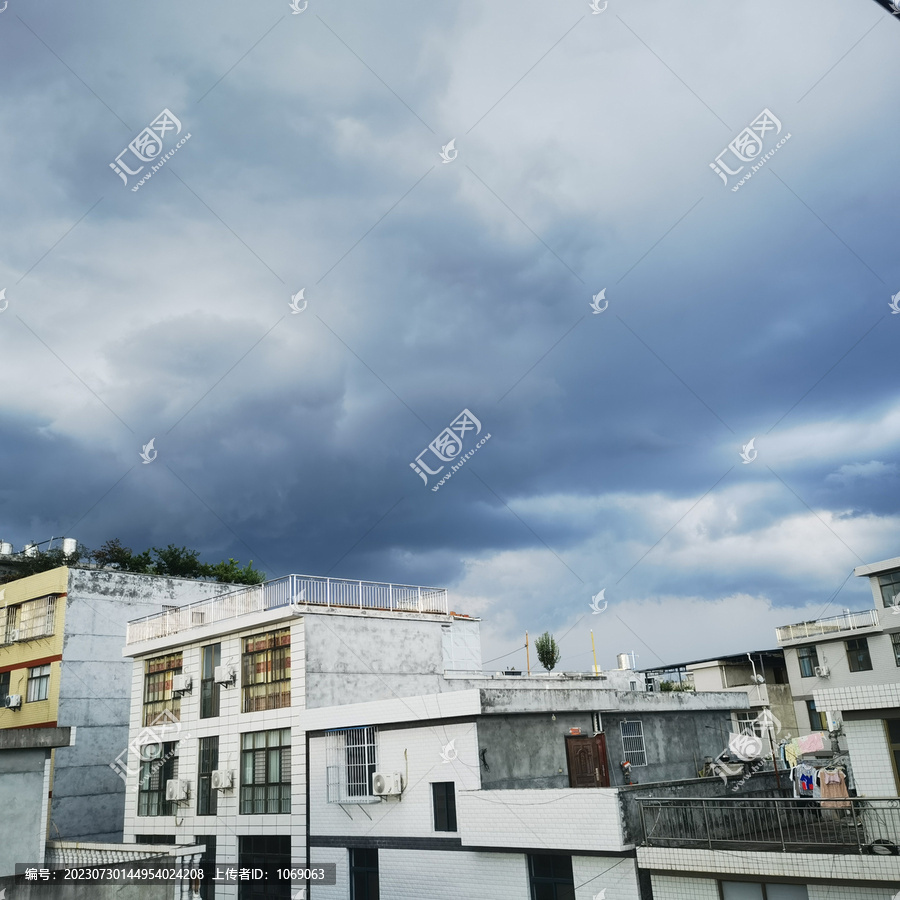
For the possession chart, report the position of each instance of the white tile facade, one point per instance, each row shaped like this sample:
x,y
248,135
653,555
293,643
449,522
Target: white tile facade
x,y
872,768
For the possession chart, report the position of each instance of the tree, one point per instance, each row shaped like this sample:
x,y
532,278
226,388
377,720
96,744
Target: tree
x,y
21,566
547,651
179,562
231,573
112,555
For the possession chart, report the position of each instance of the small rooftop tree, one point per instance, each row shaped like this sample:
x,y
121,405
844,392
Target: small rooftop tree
x,y
547,651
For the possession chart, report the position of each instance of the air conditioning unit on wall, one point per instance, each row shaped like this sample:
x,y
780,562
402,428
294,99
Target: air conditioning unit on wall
x,y
14,701
177,789
386,784
222,779
181,684
822,671
224,675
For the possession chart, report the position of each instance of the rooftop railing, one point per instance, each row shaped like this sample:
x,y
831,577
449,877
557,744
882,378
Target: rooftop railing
x,y
291,590
848,621
795,825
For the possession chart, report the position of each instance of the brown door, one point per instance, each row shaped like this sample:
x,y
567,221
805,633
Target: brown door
x,y
587,761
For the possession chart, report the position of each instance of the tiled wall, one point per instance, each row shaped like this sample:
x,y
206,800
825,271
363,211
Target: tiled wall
x,y
872,769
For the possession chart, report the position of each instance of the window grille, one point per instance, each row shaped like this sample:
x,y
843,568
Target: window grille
x,y
633,743
351,760
266,771
29,620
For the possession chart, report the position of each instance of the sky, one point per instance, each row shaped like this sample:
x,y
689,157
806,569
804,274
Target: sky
x,y
507,209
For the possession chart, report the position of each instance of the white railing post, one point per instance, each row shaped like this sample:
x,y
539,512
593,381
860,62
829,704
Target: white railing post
x,y
391,599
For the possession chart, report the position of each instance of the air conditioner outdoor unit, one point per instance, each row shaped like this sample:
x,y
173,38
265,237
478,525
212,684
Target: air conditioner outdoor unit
x,y
386,784
822,671
177,789
222,779
181,684
14,634
14,701
224,675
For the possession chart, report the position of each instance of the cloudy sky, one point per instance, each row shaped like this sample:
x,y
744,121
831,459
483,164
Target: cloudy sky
x,y
580,163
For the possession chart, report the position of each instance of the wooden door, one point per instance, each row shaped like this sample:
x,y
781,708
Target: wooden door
x,y
586,757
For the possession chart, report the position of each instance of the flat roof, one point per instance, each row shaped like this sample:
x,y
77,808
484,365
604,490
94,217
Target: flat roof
x,y
874,568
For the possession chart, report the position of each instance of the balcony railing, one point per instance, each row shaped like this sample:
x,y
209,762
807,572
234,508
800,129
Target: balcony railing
x,y
849,621
292,590
799,826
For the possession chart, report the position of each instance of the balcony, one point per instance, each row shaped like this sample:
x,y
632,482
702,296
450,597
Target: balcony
x,y
847,622
771,824
292,590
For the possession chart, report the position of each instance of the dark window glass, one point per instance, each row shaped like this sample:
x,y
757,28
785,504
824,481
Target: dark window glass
x,y
808,659
443,795
858,655
895,643
551,877
893,726
264,851
155,839
363,874
890,588
266,772
4,688
817,720
207,798
154,775
209,690
207,886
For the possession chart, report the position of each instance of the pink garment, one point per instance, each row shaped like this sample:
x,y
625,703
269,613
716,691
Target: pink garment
x,y
833,784
809,743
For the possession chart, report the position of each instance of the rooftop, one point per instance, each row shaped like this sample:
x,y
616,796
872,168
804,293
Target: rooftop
x,y
846,622
300,593
886,565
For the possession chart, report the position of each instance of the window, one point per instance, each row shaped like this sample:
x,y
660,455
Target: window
x,y
29,620
154,775
4,688
892,730
210,657
551,877
207,885
443,795
38,683
266,772
817,720
207,798
895,642
264,852
890,588
158,696
808,659
351,760
750,890
266,664
363,874
858,655
633,743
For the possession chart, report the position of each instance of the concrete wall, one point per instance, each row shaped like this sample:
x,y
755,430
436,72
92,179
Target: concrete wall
x,y
23,800
529,751
95,693
355,658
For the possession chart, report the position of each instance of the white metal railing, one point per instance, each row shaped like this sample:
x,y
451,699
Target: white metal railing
x,y
848,621
296,590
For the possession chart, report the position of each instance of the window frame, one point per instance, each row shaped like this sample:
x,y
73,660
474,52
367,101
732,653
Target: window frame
x,y
273,793
804,655
38,683
820,723
207,763
5,678
763,885
165,668
556,881
274,655
210,691
443,806
895,644
853,660
886,583
150,797
358,867
256,851
633,755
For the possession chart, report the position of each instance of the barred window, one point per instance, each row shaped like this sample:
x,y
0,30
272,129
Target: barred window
x,y
154,775
207,796
351,761
266,665
266,772
158,696
28,621
38,683
633,742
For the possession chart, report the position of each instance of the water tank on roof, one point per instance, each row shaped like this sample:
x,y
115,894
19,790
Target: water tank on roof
x,y
623,660
6,548
69,546
30,550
